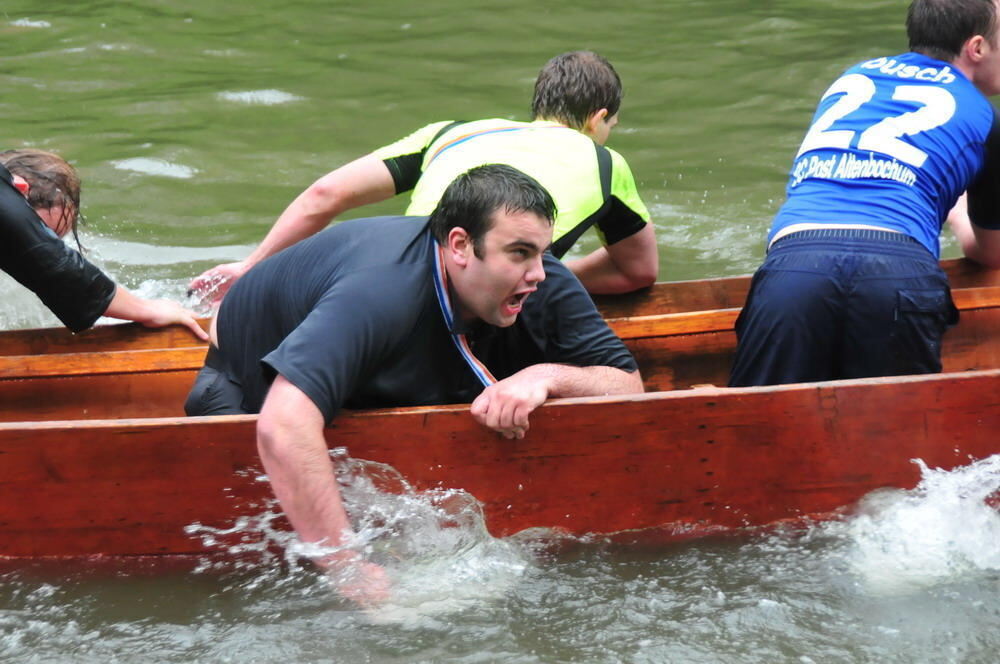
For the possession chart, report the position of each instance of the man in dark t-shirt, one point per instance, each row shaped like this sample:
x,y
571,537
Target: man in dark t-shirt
x,y
463,306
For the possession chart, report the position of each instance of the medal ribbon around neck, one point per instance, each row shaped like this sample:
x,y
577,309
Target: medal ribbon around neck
x,y
441,289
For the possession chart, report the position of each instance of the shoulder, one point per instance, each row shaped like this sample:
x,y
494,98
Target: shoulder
x,y
377,237
414,142
620,167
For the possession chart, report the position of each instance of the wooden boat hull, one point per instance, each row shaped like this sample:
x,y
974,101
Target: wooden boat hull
x,y
655,466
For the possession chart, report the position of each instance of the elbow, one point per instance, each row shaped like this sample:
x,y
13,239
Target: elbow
x,y
270,442
324,196
641,276
985,253
636,386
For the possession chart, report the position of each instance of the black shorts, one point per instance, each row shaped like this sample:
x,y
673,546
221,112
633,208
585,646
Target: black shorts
x,y
214,392
832,304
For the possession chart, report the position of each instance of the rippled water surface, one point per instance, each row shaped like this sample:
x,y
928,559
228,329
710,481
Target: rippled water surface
x,y
194,123
908,577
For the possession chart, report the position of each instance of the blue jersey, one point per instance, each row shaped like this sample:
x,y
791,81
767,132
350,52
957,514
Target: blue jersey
x,y
893,144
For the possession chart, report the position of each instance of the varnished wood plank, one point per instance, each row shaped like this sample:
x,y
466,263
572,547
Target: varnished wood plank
x,y
675,464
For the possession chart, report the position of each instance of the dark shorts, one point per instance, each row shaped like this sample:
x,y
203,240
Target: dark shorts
x,y
214,392
832,304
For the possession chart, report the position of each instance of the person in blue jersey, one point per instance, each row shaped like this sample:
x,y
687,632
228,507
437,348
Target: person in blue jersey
x,y
466,306
851,286
39,204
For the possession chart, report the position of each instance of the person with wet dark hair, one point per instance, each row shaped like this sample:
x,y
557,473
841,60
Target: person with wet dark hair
x,y
50,185
851,286
572,87
576,101
466,306
39,204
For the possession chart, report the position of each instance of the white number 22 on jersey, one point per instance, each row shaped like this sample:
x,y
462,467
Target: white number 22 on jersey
x,y
883,136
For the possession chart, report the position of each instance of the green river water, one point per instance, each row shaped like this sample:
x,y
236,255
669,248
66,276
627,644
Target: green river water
x,y
193,124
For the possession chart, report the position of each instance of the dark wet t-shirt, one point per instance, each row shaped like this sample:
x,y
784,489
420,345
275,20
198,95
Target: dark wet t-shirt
x,y
76,291
350,317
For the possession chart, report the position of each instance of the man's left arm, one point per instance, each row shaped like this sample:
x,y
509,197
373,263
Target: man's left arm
x,y
581,356
506,405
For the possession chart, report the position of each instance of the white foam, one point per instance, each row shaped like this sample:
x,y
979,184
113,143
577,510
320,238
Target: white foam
x,y
150,166
433,545
942,530
259,97
28,23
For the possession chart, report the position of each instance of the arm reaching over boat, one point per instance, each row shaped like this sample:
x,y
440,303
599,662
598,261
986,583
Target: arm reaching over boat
x,y
400,311
152,313
39,204
622,267
362,181
505,406
975,218
575,106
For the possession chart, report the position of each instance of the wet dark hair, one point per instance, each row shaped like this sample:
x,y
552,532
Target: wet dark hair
x,y
939,28
471,200
573,86
52,183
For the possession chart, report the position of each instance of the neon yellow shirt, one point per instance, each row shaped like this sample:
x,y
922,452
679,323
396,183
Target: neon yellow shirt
x,y
591,185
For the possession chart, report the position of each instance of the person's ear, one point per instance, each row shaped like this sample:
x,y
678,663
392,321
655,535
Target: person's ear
x,y
594,119
459,246
975,48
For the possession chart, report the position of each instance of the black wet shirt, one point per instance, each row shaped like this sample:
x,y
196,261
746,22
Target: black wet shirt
x,y
350,317
76,291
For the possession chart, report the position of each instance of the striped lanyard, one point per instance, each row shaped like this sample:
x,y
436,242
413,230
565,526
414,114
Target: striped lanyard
x,y
441,290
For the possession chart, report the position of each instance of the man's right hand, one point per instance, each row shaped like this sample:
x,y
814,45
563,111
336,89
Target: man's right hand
x,y
211,285
362,582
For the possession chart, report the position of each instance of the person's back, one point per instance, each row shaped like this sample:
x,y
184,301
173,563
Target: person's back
x,y
574,108
851,285
591,184
886,164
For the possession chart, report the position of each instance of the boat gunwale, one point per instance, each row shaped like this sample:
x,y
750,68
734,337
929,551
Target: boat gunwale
x,y
699,392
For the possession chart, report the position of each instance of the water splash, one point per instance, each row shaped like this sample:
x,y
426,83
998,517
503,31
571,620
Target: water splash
x,y
434,544
944,529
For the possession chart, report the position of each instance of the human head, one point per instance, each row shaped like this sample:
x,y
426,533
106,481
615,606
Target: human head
x,y
572,87
493,225
940,28
471,201
53,187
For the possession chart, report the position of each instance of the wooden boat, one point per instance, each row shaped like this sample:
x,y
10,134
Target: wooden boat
x,y
652,467
648,467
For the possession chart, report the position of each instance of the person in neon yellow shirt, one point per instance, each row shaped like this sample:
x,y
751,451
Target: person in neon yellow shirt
x,y
575,106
